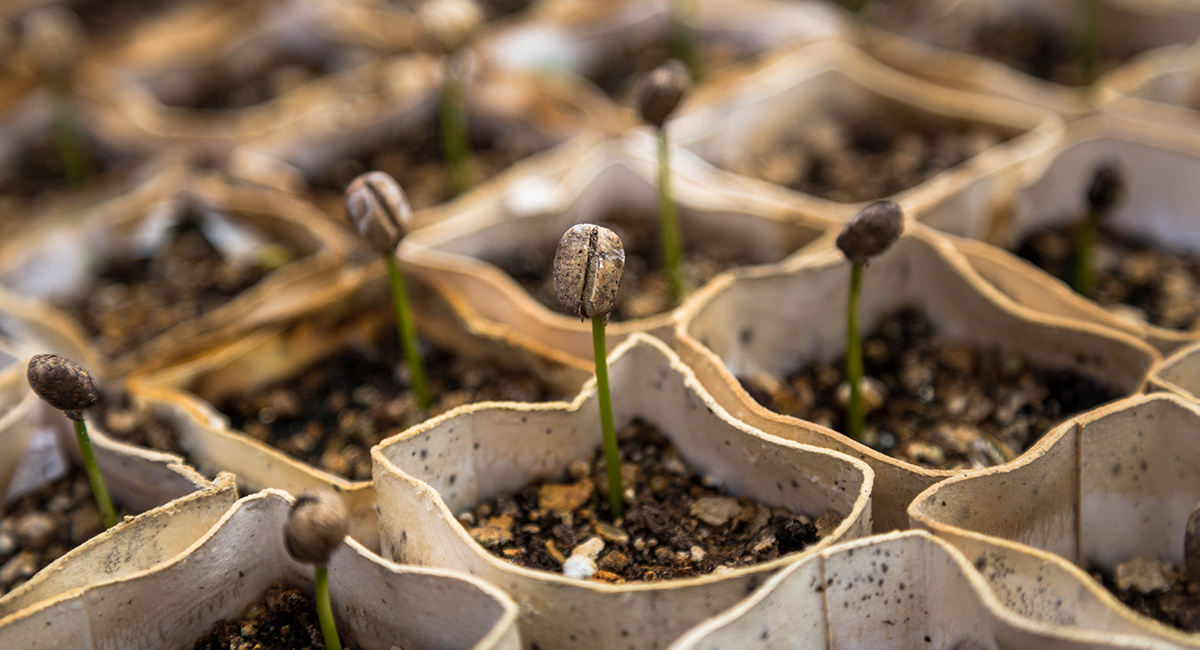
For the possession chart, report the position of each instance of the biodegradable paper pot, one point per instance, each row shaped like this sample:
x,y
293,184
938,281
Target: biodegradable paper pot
x,y
831,79
430,472
1113,484
750,324
1159,87
378,605
926,48
1179,373
460,256
1159,164
53,264
901,590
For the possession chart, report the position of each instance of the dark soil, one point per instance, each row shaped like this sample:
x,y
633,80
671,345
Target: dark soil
x,y
42,527
1160,287
107,16
1174,601
1036,48
622,69
676,525
942,405
335,411
285,619
849,159
416,159
38,169
116,416
231,85
644,291
134,300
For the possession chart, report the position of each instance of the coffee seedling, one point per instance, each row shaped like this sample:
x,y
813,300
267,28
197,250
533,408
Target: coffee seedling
x,y
316,525
871,231
449,25
379,211
661,92
67,387
587,273
54,35
1104,192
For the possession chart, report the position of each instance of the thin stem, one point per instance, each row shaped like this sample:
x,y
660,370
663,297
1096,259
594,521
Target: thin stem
x,y
99,491
1085,273
855,418
408,334
454,128
1087,40
685,39
71,151
672,247
325,610
612,455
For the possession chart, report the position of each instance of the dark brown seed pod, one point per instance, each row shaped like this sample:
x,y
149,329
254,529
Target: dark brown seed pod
x,y
661,92
587,270
62,384
871,231
1107,187
378,209
1191,547
316,526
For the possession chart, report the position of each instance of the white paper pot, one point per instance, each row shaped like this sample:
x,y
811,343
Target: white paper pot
x,y
1159,87
1108,486
749,324
378,605
426,475
901,590
1179,373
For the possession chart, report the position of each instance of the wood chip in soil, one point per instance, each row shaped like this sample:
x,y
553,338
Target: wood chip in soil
x,y
678,524
43,526
851,158
285,618
935,402
644,291
1155,589
1133,276
331,414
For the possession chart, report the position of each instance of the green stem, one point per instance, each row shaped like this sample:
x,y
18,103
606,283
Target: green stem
x,y
71,150
408,334
855,418
1085,242
454,128
99,491
612,455
1087,40
685,39
325,610
672,246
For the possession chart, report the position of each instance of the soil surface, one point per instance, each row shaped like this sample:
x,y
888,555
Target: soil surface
x,y
331,414
243,83
38,169
849,159
644,291
415,158
1037,48
1155,589
116,416
133,300
678,524
42,527
620,71
106,16
1154,285
285,619
933,402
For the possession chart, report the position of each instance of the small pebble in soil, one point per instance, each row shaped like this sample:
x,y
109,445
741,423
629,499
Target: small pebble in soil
x,y
1134,278
285,619
936,402
675,526
331,414
852,159
1156,589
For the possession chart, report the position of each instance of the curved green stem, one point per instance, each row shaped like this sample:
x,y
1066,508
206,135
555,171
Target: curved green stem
x,y
672,246
99,490
457,147
325,610
855,418
408,334
612,454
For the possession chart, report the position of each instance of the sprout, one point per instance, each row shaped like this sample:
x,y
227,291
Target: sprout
x,y
316,526
1104,193
379,211
685,41
1087,41
449,25
661,92
871,231
68,387
54,36
587,273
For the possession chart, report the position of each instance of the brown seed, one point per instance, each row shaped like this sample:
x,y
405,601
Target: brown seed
x,y
587,270
1107,187
378,209
661,92
1191,547
62,384
316,526
871,231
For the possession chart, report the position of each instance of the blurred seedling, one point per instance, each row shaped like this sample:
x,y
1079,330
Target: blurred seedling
x,y
1104,193
685,37
1087,41
55,37
449,26
317,524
